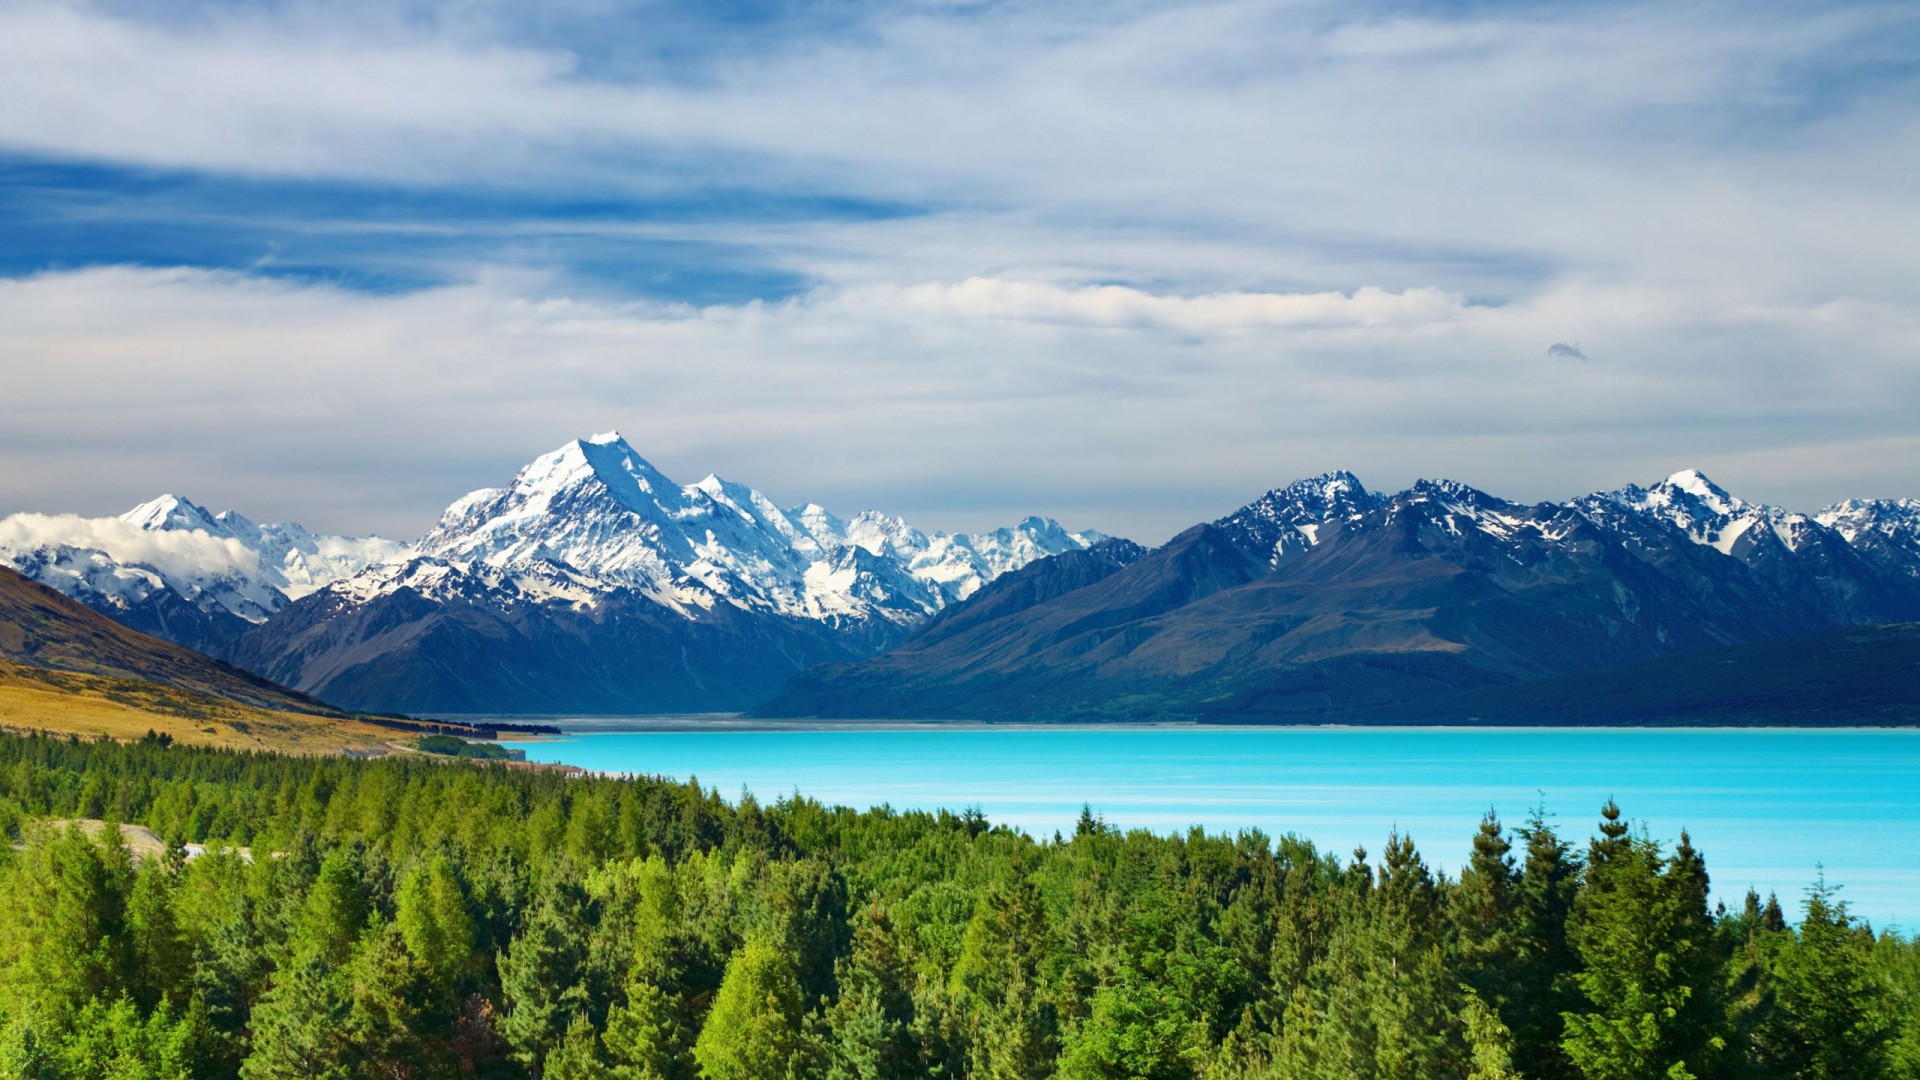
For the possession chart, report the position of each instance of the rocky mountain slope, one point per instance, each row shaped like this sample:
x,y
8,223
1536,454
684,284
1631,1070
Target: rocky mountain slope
x,y
592,583
1323,601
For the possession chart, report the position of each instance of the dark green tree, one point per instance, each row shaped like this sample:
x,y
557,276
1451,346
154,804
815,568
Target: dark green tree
x,y
1649,970
1828,1020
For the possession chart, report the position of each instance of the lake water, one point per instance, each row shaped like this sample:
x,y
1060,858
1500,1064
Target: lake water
x,y
1764,806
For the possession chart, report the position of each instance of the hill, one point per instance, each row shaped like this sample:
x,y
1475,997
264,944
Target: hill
x,y
65,668
41,628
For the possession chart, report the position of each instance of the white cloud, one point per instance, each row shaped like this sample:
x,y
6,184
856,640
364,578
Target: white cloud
x,y
960,405
173,553
1168,256
1121,306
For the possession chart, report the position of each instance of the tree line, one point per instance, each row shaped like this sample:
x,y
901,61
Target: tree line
x,y
420,919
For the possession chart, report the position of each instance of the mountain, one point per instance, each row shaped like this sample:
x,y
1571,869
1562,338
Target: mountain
x,y
172,569
1323,601
1886,532
592,583
41,628
1864,675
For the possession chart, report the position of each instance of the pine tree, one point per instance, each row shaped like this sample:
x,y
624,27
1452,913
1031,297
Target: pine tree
x,y
436,921
578,1057
1482,908
649,1034
754,1031
871,1024
542,977
1416,1002
1489,1043
63,928
161,957
1828,1020
298,1025
336,909
1010,1026
1649,971
1543,982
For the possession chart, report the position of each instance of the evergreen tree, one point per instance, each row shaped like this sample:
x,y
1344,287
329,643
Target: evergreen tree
x,y
578,1057
649,1034
161,957
542,977
1010,1027
1489,1043
63,928
1483,909
871,1025
1543,986
755,1029
299,1022
336,909
436,921
1649,971
1828,1020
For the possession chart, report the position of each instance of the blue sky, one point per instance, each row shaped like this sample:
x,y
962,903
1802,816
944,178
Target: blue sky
x,y
1128,264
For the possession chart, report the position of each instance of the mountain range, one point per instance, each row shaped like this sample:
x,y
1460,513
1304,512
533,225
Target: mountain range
x,y
593,584
1325,602
590,583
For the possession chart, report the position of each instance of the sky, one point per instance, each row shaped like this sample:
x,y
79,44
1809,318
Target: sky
x,y
1125,264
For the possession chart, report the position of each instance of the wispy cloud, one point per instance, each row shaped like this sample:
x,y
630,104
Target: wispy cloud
x,y
345,260
964,403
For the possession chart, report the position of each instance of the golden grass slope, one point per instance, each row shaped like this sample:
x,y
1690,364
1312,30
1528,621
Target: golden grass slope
x,y
94,706
41,628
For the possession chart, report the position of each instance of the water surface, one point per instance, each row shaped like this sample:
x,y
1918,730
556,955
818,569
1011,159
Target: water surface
x,y
1765,806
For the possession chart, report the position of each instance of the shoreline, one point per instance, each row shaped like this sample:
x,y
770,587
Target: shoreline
x,y
730,723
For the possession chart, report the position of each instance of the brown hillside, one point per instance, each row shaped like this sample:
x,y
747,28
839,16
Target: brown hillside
x,y
41,628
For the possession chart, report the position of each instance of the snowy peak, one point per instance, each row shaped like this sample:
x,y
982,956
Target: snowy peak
x,y
605,460
1289,520
172,512
1695,483
1886,531
170,554
1710,515
1452,494
597,508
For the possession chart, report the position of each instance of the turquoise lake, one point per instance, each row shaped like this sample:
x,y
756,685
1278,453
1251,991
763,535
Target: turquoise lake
x,y
1766,807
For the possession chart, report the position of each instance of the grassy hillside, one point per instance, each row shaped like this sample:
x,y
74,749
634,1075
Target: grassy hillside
x,y
41,628
66,668
69,702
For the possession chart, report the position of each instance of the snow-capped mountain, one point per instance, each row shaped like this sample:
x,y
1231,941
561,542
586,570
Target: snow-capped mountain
x,y
593,582
171,568
598,508
1885,531
1709,515
1287,521
1321,601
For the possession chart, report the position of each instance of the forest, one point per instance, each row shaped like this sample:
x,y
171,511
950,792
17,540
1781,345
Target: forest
x,y
423,917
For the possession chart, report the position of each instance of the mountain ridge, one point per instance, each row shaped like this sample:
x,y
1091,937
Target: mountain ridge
x,y
1323,602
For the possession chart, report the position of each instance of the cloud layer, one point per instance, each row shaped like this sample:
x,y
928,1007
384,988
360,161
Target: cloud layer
x,y
1126,263
172,553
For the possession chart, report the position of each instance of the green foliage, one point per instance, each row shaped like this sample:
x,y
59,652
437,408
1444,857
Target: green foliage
x,y
755,1030
1650,969
454,746
401,918
1829,1019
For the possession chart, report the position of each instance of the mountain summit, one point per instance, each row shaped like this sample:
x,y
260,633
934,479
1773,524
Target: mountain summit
x,y
592,582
